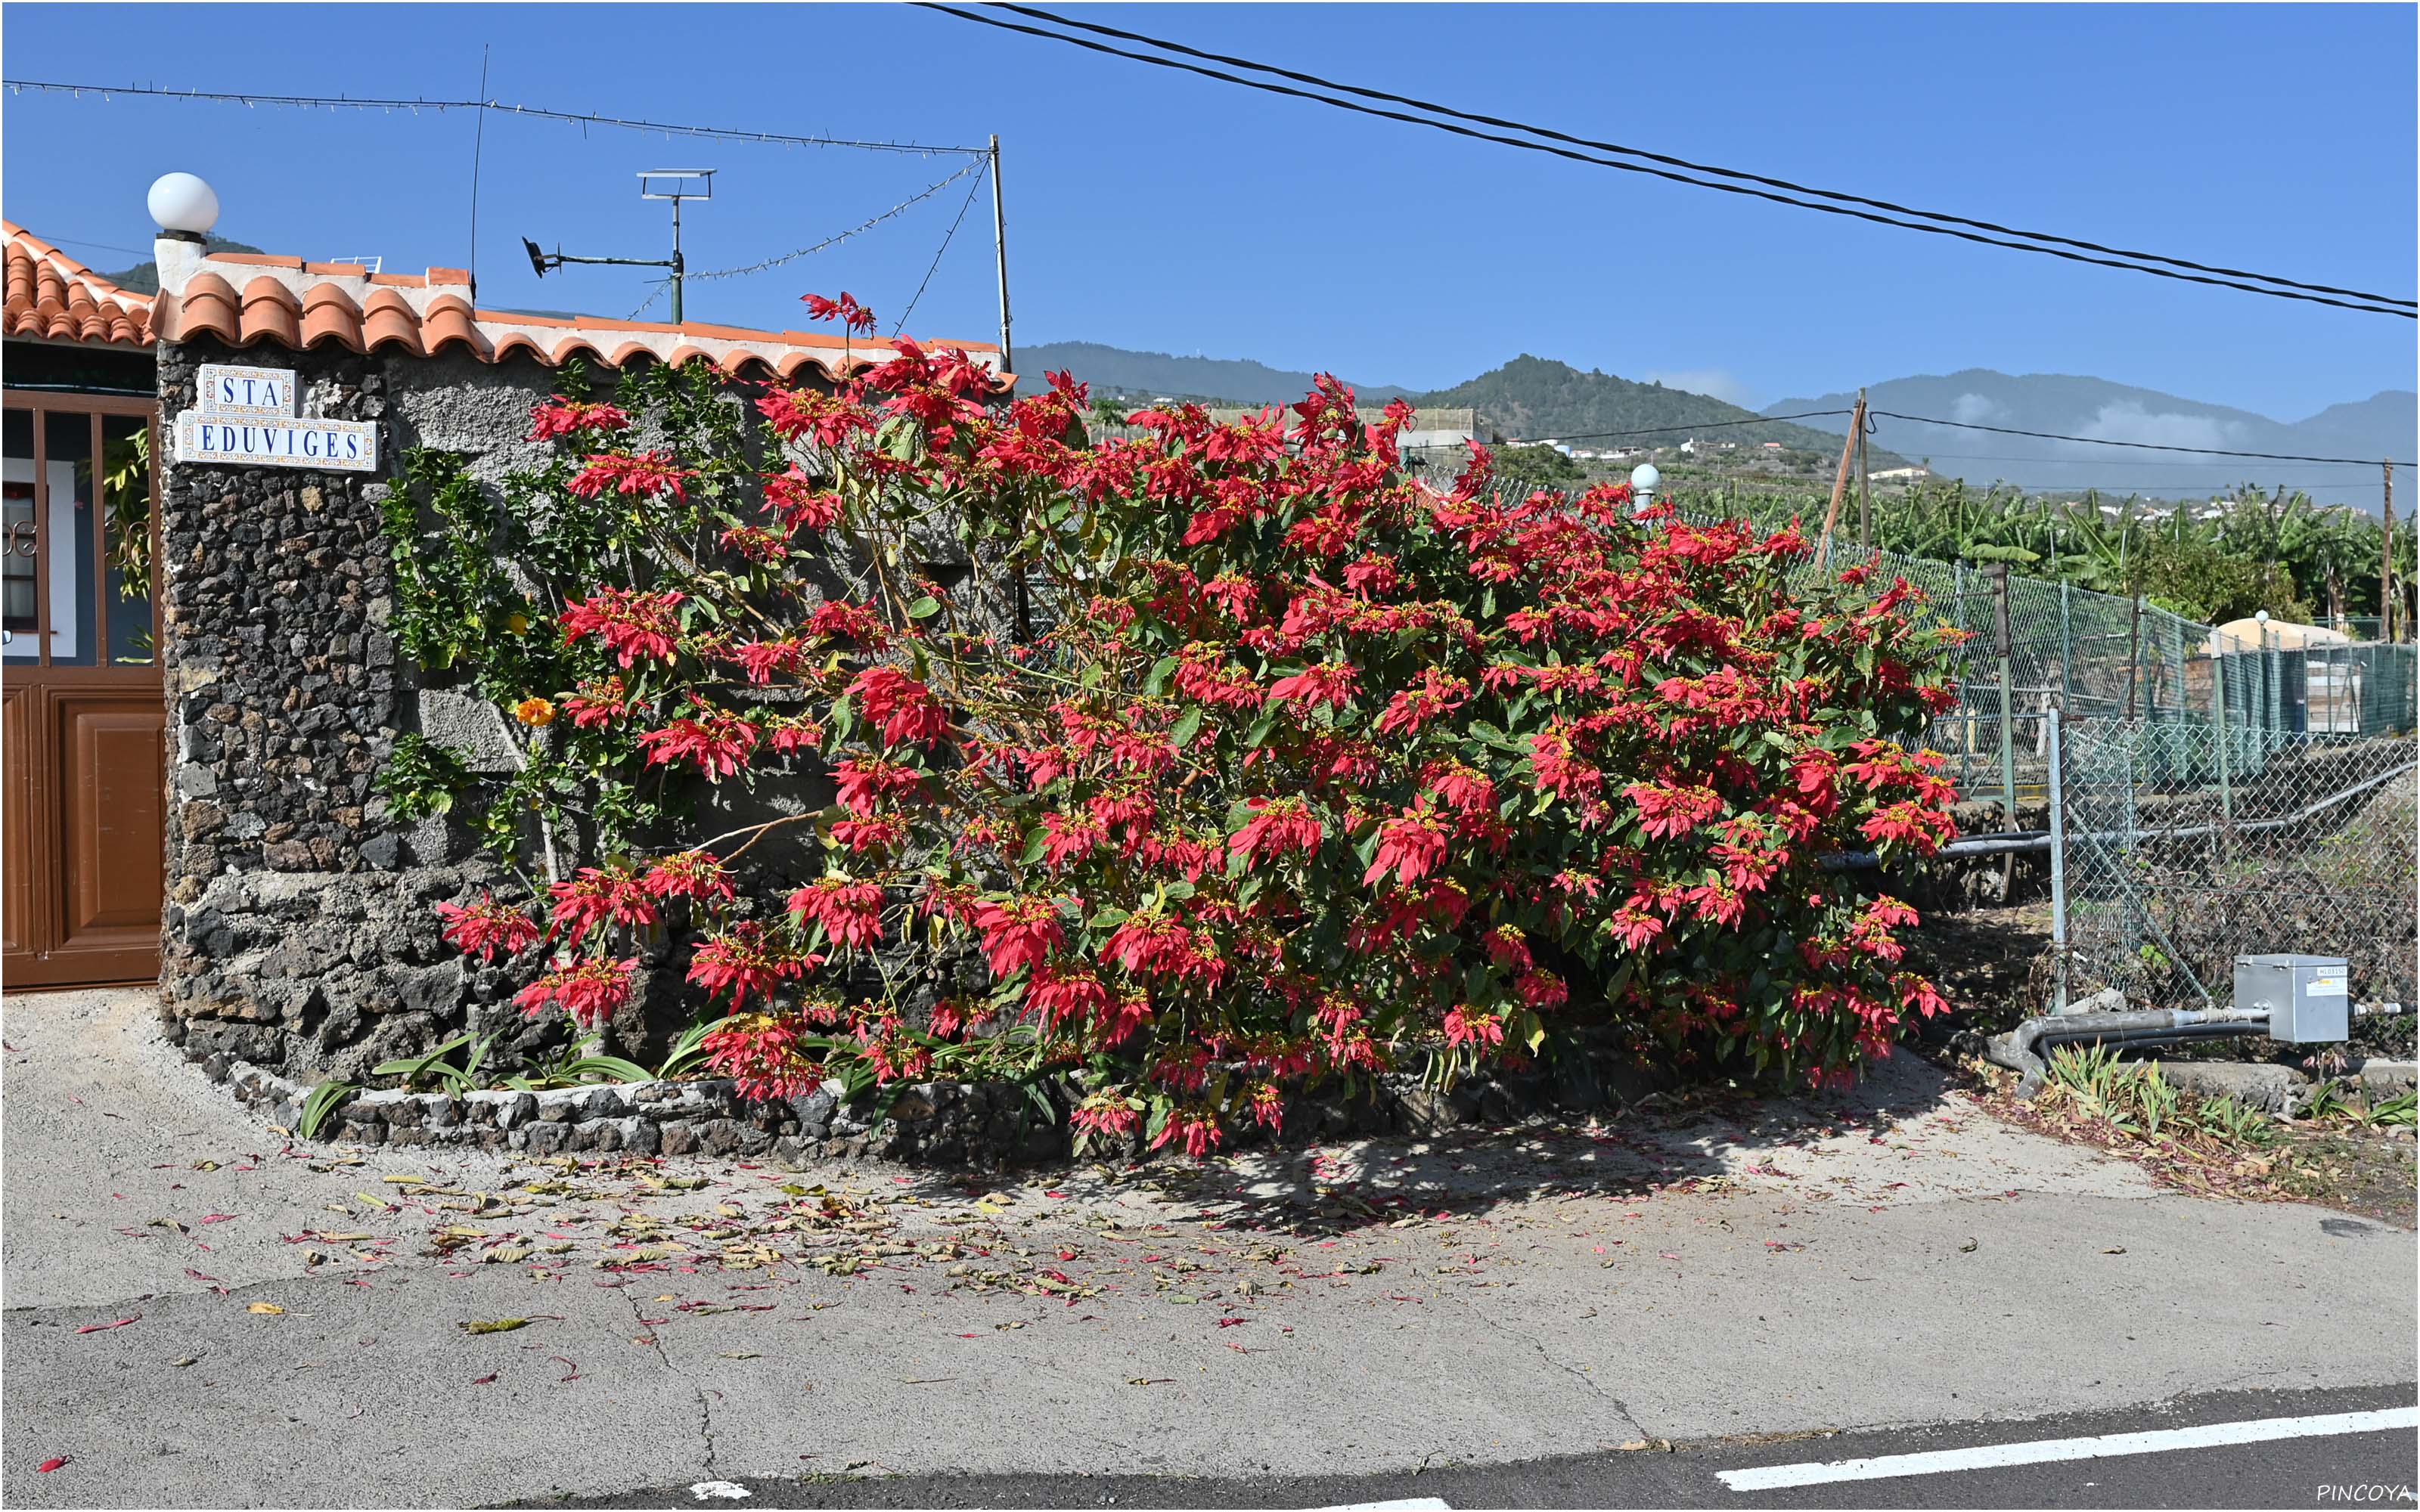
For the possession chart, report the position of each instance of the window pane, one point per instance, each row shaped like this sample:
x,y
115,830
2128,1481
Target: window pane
x,y
17,536
126,504
67,536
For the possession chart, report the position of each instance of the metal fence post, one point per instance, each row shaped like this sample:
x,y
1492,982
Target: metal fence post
x,y
2226,735
2057,864
1999,571
1966,730
2066,637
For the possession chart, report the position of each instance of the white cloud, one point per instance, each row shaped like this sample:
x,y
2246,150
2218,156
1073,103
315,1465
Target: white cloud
x,y
1708,380
1974,409
2128,421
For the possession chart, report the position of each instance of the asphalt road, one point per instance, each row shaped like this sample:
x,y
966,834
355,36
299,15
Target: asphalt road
x,y
2374,1469
201,1313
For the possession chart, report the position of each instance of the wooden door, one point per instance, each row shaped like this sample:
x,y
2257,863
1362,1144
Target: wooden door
x,y
83,765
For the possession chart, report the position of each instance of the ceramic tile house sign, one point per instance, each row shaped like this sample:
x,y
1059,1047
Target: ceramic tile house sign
x,y
250,416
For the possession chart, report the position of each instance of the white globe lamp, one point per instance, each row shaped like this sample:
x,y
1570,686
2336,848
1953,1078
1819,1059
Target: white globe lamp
x,y
1643,479
183,206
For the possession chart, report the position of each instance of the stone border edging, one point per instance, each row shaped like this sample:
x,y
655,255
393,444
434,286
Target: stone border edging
x,y
978,1124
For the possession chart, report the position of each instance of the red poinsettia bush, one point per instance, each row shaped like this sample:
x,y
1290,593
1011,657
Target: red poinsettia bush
x,y
1321,770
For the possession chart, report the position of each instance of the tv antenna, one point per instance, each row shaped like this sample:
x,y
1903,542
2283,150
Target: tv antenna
x,y
675,184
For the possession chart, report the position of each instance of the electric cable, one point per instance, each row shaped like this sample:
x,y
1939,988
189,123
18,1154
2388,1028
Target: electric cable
x,y
575,117
1663,172
2140,446
946,237
1685,162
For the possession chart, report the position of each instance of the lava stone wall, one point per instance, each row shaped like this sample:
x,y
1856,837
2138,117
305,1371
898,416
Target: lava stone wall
x,y
298,929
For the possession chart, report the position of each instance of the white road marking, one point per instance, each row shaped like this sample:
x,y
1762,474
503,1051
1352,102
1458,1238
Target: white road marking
x,y
1415,1504
724,1488
2043,1451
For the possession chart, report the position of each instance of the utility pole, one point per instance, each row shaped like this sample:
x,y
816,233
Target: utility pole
x,y
999,250
1840,481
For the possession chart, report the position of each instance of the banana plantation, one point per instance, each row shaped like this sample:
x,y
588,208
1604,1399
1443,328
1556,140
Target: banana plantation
x,y
2211,560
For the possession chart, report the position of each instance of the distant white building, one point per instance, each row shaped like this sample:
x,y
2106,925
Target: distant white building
x,y
1898,474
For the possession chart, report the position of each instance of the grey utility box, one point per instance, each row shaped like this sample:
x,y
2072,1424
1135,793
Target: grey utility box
x,y
2308,998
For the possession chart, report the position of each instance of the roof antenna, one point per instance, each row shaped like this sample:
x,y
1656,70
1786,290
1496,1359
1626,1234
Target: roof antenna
x,y
478,144
675,184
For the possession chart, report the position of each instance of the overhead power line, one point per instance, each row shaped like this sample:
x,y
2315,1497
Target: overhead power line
x,y
2139,446
1685,162
722,133
942,251
2123,462
1957,425
1660,430
2383,307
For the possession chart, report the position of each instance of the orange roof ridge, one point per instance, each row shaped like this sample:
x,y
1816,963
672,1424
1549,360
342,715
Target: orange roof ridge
x,y
299,305
53,297
431,312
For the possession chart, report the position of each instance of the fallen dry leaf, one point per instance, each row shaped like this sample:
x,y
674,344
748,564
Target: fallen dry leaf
x,y
495,1325
265,1308
52,1463
103,1328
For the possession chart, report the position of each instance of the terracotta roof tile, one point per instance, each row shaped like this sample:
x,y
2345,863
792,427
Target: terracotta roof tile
x,y
429,313
329,313
452,319
51,297
388,318
286,302
207,307
270,311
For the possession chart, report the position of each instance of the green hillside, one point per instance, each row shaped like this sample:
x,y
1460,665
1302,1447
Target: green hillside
x,y
1536,398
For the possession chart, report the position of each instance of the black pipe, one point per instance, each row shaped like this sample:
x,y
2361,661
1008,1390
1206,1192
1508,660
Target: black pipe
x,y
2016,1049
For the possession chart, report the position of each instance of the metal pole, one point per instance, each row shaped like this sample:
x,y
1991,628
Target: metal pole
x,y
999,250
1999,571
1865,495
1965,665
2057,864
2133,651
2386,596
676,260
2066,638
2226,735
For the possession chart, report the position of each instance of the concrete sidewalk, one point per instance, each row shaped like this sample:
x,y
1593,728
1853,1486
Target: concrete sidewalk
x,y
1894,1257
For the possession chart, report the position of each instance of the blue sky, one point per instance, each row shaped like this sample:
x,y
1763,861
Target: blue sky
x,y
1153,210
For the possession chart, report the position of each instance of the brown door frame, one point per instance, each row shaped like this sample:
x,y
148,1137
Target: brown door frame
x,y
36,762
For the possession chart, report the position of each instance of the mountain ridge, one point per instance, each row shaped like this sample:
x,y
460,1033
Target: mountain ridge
x,y
2385,425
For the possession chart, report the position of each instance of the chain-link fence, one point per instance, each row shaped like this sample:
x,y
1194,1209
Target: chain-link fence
x,y
2034,645
2179,845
